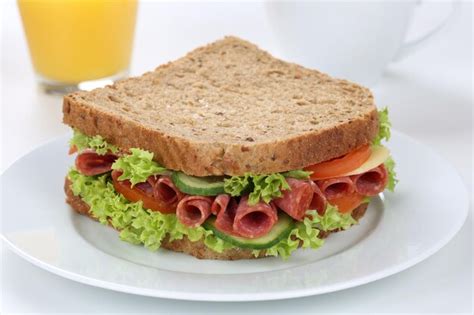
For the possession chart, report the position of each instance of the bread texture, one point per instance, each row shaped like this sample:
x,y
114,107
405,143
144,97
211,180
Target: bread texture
x,y
229,108
196,249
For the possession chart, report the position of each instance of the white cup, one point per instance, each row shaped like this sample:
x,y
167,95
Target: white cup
x,y
352,40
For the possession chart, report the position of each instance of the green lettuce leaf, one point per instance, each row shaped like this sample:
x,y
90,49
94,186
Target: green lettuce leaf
x,y
97,143
237,185
384,127
307,232
298,174
136,224
138,166
267,187
384,134
392,175
261,187
333,219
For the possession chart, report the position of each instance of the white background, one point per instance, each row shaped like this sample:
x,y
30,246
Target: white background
x,y
430,98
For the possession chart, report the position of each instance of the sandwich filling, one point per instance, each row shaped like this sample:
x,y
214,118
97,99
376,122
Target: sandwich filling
x,y
275,213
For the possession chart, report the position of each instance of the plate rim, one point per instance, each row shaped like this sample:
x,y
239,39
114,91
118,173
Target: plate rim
x,y
257,296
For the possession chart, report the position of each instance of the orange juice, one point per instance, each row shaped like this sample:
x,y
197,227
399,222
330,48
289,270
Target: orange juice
x,y
72,41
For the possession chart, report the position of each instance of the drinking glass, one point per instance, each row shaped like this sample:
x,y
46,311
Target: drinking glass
x,y
78,44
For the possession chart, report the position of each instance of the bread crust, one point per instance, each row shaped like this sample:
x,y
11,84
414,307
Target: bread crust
x,y
344,115
196,249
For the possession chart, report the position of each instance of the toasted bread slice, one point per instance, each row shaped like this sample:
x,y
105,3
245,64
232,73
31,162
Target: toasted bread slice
x,y
229,108
196,249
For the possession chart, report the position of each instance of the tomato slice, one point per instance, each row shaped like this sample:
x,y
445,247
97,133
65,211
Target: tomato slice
x,y
339,166
347,203
134,195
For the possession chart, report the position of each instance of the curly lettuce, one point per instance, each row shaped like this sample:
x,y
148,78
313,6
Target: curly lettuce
x,y
96,143
138,166
267,187
261,187
136,224
237,185
333,219
384,127
384,134
392,175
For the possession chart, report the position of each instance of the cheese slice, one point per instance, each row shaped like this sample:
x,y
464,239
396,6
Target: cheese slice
x,y
379,155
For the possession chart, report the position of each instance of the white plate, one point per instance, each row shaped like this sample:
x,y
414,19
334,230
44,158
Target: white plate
x,y
428,208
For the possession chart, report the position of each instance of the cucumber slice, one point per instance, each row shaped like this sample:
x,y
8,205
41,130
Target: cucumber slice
x,y
202,186
279,231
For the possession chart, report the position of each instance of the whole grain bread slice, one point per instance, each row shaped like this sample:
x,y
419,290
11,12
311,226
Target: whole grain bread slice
x,y
197,249
229,108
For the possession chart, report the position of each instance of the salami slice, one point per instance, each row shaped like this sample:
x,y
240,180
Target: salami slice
x,y
296,200
90,163
371,182
225,207
336,187
145,187
165,190
319,201
192,211
253,221
220,203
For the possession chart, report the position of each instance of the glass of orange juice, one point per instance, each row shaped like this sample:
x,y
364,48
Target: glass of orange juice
x,y
79,44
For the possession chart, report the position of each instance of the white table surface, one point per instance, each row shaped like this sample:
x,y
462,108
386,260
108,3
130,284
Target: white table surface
x,y
430,98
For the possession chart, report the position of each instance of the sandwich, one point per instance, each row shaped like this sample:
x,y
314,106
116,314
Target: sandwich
x,y
227,153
